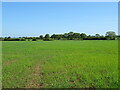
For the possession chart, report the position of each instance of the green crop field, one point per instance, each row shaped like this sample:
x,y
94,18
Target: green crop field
x,y
60,64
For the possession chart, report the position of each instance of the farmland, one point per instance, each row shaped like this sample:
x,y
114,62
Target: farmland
x,y
60,64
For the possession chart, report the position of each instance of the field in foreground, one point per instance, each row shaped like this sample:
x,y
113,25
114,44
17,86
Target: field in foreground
x,y
60,64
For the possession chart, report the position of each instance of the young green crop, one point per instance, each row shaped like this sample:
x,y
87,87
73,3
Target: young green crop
x,y
60,64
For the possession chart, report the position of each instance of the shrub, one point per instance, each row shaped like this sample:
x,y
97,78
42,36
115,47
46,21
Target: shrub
x,y
34,39
23,39
47,39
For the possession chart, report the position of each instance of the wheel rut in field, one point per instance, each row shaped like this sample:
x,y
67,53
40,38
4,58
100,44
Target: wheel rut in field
x,y
35,75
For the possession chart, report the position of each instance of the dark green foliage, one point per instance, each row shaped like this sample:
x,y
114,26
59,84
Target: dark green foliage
x,y
118,37
41,37
57,36
76,36
83,36
23,39
34,39
70,36
110,35
66,36
11,39
53,36
97,35
47,36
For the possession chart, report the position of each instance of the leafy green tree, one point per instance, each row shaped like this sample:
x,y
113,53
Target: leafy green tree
x,y
65,35
53,36
97,35
57,36
9,37
110,35
22,39
76,36
34,39
47,36
83,35
41,37
70,35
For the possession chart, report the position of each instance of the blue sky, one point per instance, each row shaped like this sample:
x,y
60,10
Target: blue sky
x,y
36,18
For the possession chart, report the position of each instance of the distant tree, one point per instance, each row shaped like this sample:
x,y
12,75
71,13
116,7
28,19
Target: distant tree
x,y
76,36
53,36
47,36
37,37
1,39
41,37
59,36
65,35
9,37
118,37
97,35
110,35
70,35
22,39
34,39
83,35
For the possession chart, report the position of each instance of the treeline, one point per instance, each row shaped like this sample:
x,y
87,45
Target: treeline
x,y
66,36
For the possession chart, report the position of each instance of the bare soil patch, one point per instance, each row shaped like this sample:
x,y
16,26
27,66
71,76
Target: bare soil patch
x,y
9,62
34,83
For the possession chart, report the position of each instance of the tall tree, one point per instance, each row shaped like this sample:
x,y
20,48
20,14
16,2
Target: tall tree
x,y
97,35
110,35
70,35
65,35
47,36
76,36
83,35
53,36
41,37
